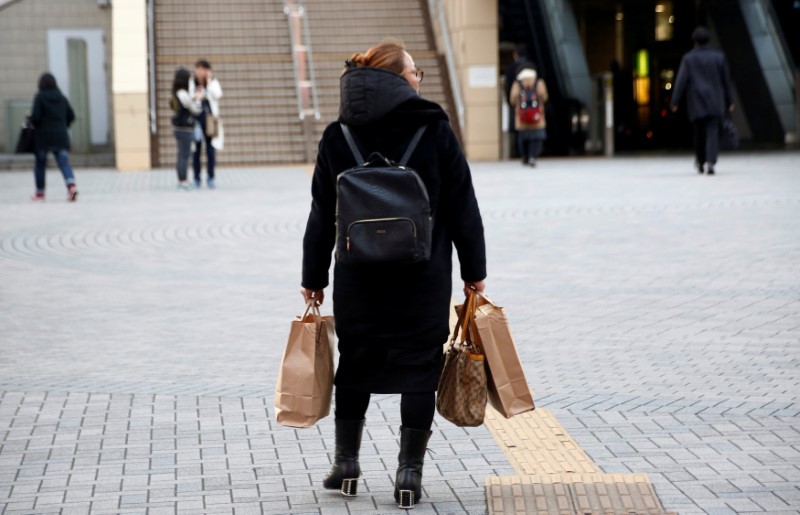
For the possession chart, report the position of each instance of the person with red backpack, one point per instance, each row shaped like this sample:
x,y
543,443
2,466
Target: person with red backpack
x,y
528,96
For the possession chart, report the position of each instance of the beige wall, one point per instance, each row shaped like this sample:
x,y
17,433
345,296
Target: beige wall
x,y
23,40
130,85
474,36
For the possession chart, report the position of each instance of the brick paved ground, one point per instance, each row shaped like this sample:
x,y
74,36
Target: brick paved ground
x,y
657,312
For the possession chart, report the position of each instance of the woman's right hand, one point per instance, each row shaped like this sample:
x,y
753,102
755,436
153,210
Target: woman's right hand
x,y
477,286
317,295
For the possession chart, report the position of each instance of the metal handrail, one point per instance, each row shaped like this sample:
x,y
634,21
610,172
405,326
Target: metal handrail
x,y
437,8
312,74
296,10
290,9
151,57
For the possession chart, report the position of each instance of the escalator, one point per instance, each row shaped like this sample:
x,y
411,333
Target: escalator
x,y
562,66
761,66
641,43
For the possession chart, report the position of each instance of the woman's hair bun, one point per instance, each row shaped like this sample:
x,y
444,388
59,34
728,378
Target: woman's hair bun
x,y
357,60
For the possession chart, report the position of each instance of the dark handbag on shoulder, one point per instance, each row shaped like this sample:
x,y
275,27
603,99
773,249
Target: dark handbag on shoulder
x,y
383,212
26,141
728,135
462,393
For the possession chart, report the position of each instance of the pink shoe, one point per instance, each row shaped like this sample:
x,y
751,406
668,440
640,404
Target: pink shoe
x,y
72,193
38,197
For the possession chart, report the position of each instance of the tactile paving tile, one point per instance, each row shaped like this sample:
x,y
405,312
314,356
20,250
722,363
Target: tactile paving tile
x,y
556,476
536,443
584,494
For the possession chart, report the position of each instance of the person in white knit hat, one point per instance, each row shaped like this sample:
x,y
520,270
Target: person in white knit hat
x,y
528,96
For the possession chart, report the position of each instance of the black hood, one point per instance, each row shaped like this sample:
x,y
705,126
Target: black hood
x,y
51,96
373,94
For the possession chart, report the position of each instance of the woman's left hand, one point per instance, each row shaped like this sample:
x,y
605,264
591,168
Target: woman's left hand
x,y
317,295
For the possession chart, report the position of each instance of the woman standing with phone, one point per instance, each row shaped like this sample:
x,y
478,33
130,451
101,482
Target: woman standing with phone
x,y
208,90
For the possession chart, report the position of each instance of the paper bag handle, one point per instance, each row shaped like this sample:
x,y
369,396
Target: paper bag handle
x,y
311,306
487,299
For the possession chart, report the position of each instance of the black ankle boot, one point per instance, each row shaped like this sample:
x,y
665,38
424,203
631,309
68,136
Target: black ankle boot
x,y
408,483
345,472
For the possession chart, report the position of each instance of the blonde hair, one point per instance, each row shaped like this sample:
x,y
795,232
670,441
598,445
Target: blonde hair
x,y
389,54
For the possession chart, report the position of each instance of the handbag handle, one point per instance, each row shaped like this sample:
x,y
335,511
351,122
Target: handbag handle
x,y
466,322
459,327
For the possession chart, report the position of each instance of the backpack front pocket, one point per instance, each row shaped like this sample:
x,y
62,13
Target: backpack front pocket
x,y
381,240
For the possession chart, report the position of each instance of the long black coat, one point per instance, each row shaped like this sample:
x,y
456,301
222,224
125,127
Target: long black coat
x,y
391,320
51,116
705,80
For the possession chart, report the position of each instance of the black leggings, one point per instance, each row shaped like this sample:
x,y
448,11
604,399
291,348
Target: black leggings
x,y
416,409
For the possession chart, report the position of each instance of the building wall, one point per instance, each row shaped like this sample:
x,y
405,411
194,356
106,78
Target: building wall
x,y
474,36
23,40
130,86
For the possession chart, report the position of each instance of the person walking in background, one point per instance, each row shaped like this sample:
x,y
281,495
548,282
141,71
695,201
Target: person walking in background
x,y
704,79
209,131
52,115
391,319
184,109
528,96
520,56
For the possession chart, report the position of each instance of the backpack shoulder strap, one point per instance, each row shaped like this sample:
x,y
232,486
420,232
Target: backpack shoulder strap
x,y
412,145
352,144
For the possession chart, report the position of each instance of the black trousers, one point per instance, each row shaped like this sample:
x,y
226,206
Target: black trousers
x,y
706,140
416,409
530,144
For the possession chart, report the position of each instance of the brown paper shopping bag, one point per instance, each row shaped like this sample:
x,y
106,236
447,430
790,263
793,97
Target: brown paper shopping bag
x,y
508,390
305,380
509,393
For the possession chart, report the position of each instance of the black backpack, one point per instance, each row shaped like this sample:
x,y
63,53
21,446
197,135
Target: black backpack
x,y
383,213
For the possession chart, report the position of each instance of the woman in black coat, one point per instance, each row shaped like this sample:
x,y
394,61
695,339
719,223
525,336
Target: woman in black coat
x,y
51,116
391,319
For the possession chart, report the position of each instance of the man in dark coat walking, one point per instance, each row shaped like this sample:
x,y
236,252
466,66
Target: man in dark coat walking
x,y
704,79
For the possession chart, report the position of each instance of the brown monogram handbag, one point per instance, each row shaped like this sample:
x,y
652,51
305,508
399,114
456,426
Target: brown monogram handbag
x,y
462,392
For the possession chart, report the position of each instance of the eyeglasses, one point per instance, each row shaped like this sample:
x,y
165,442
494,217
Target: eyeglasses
x,y
419,74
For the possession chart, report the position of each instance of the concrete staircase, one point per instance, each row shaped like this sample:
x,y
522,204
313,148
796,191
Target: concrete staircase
x,y
248,45
341,28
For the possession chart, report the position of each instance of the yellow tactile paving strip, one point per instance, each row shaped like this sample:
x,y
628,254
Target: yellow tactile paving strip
x,y
536,443
573,494
556,476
